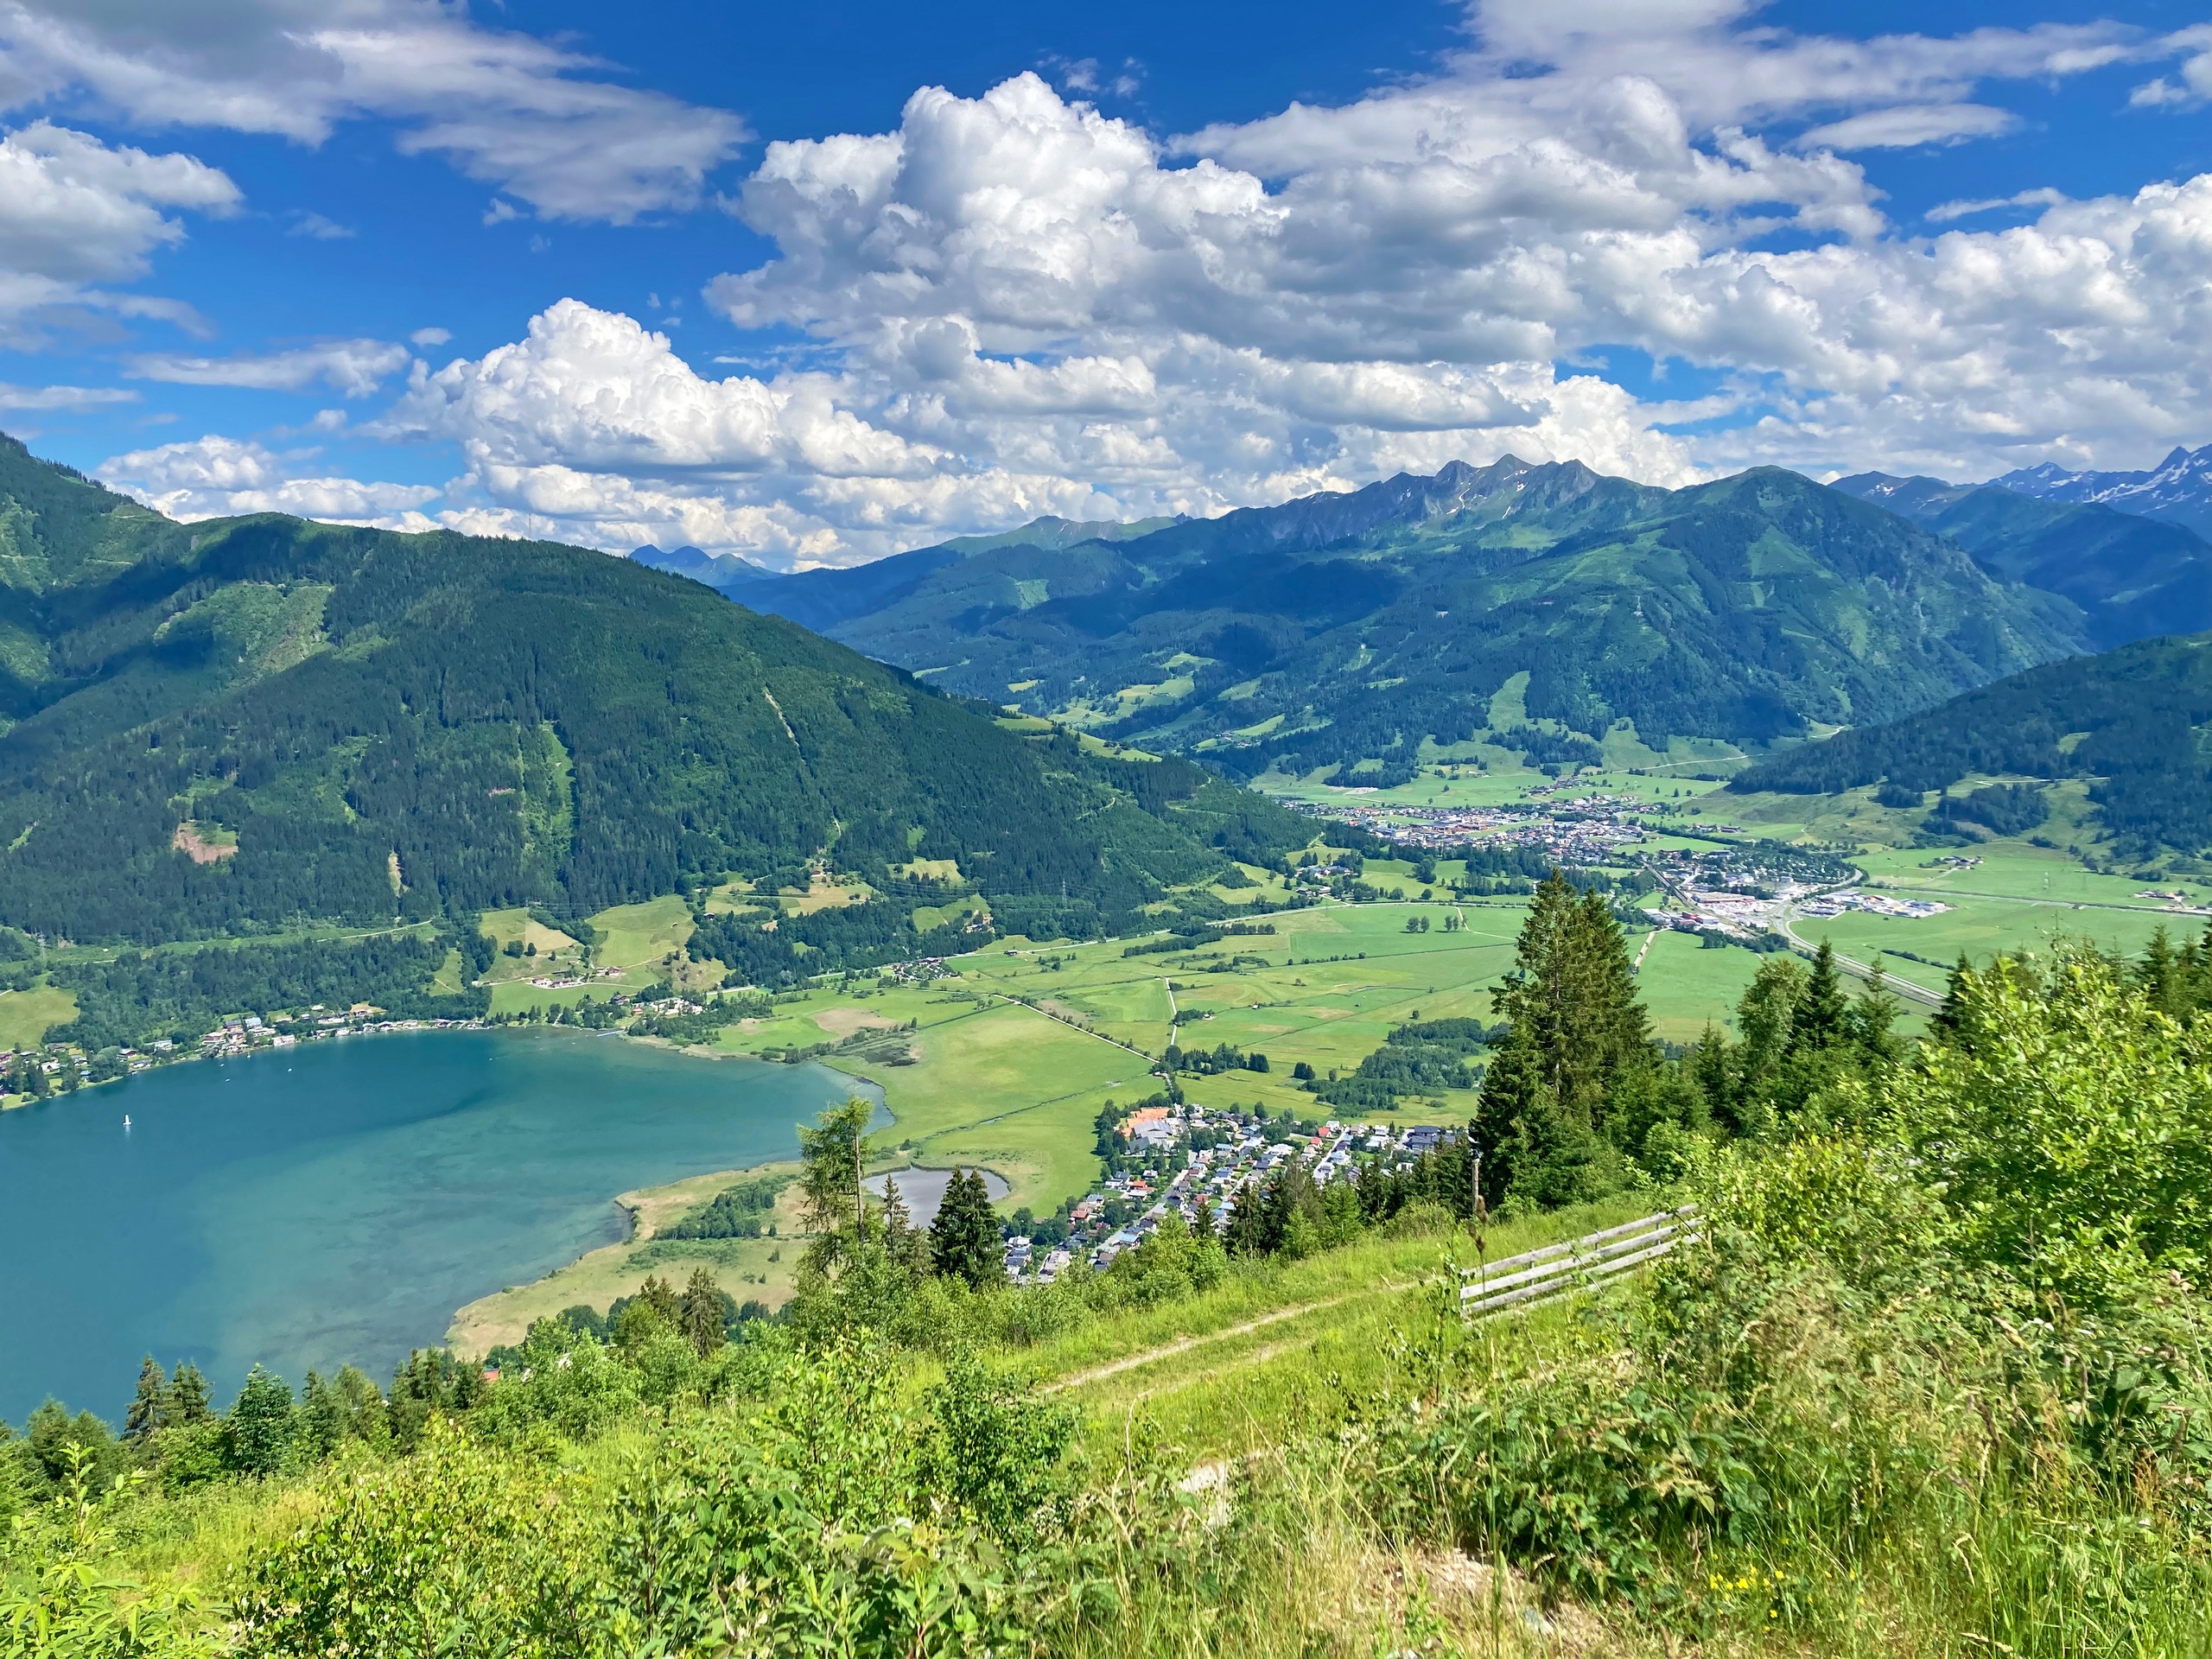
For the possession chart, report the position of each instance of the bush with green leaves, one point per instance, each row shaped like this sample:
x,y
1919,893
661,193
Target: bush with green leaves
x,y
831,1511
1975,1314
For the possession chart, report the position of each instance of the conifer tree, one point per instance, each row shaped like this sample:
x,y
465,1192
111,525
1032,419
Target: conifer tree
x,y
189,1396
832,1204
1575,1028
662,1299
1817,1020
701,1313
1290,1211
153,1406
321,1418
1247,1232
2159,975
258,1428
904,1243
964,1235
2193,969
1947,1018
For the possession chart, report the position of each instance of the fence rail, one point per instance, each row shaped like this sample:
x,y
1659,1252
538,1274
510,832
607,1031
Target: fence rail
x,y
1558,1269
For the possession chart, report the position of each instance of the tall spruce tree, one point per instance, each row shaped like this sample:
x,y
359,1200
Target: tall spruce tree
x,y
1946,1019
257,1429
153,1406
1575,1029
964,1239
1290,1211
189,1396
1819,1019
1246,1234
2159,975
702,1313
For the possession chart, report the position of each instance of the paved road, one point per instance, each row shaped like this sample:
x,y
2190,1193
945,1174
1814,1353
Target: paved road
x,y
1897,982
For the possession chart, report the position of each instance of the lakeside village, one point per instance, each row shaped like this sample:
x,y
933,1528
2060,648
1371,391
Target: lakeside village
x,y
64,1066
1191,1160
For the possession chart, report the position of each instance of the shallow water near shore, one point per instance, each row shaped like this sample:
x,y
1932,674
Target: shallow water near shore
x,y
338,1201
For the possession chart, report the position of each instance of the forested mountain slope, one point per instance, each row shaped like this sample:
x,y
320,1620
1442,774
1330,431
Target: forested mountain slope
x,y
2136,720
2133,576
1349,625
239,724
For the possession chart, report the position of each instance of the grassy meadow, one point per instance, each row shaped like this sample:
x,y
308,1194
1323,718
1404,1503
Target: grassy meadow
x,y
750,1269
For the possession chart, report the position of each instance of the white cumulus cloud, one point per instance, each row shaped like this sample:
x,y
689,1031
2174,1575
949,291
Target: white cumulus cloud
x,y
64,399
354,367
218,477
1014,303
542,121
76,213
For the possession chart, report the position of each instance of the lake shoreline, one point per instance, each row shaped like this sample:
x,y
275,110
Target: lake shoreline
x,y
598,1275
395,1029
343,1214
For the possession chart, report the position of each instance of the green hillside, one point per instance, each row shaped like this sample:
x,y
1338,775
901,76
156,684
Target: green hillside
x,y
1344,627
247,724
2134,721
2133,576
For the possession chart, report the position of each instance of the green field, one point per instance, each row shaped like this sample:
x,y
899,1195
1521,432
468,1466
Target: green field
x,y
643,939
26,1016
1688,986
1017,1088
748,1268
1980,927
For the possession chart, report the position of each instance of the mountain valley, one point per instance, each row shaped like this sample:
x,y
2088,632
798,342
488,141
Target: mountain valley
x,y
1342,629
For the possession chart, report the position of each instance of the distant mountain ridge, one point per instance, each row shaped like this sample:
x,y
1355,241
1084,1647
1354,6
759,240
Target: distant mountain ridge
x,y
724,572
1347,626
2132,576
823,599
2179,488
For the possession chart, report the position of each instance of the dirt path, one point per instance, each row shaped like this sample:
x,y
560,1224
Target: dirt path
x,y
1184,1344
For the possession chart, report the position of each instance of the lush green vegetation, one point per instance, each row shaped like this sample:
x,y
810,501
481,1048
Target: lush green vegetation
x,y
1580,1101
138,997
1933,1379
265,721
1419,1058
740,1210
1348,627
2131,722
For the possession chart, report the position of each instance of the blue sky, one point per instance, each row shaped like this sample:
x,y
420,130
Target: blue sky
x,y
814,283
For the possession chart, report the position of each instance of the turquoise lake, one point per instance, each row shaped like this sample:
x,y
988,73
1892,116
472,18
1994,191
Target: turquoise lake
x,y
339,1201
